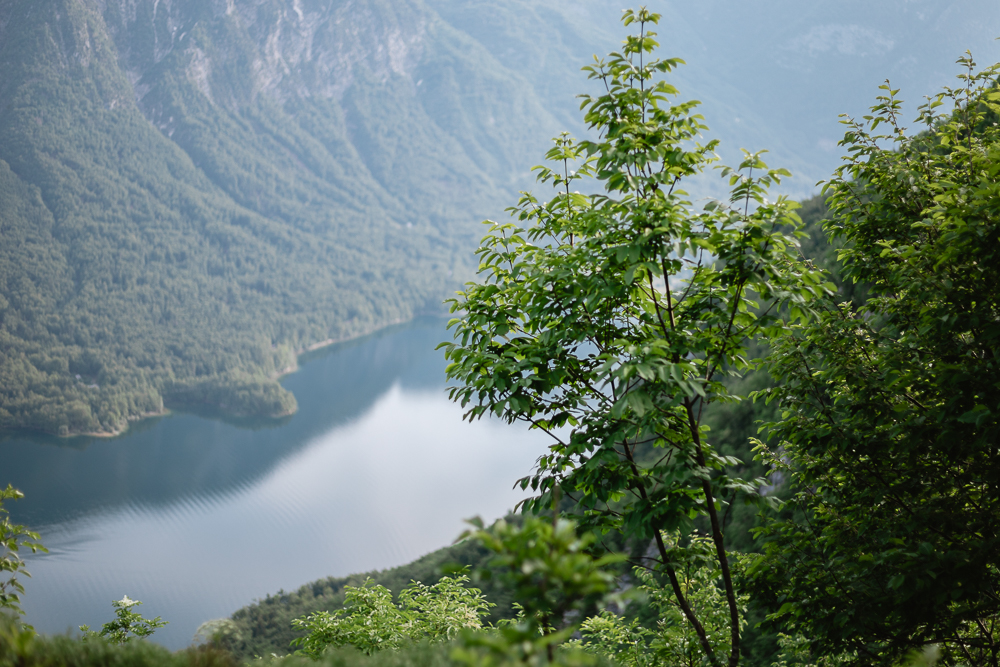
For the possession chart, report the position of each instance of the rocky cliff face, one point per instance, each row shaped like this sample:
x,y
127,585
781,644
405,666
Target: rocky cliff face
x,y
390,83
284,48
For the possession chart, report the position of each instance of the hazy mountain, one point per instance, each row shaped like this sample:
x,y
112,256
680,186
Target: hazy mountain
x,y
776,74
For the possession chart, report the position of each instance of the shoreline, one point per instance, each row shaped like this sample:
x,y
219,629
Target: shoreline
x,y
275,376
288,370
112,434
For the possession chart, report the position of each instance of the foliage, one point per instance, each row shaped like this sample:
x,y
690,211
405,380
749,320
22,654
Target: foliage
x,y
795,650
500,648
441,610
12,538
609,634
890,411
126,626
221,633
265,627
370,621
608,320
672,641
456,653
23,648
549,569
546,567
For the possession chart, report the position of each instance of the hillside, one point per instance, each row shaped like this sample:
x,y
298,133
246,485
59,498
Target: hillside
x,y
191,193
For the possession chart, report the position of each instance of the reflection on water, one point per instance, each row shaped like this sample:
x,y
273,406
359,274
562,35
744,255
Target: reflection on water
x,y
161,460
196,517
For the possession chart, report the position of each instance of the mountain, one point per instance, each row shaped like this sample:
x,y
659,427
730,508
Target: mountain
x,y
194,191
776,75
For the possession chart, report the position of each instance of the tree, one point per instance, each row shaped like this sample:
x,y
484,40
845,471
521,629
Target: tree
x,y
608,320
370,621
12,538
891,410
671,641
126,626
549,568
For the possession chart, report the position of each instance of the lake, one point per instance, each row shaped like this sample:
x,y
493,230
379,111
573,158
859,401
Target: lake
x,y
197,517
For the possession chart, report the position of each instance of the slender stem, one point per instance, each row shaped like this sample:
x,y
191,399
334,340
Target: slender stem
x,y
672,574
717,539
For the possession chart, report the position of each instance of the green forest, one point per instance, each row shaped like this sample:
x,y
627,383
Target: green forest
x,y
774,424
176,241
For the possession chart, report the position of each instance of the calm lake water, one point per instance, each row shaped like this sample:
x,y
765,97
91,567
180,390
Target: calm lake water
x,y
197,517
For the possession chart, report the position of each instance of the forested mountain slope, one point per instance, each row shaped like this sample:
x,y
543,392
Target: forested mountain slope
x,y
191,192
